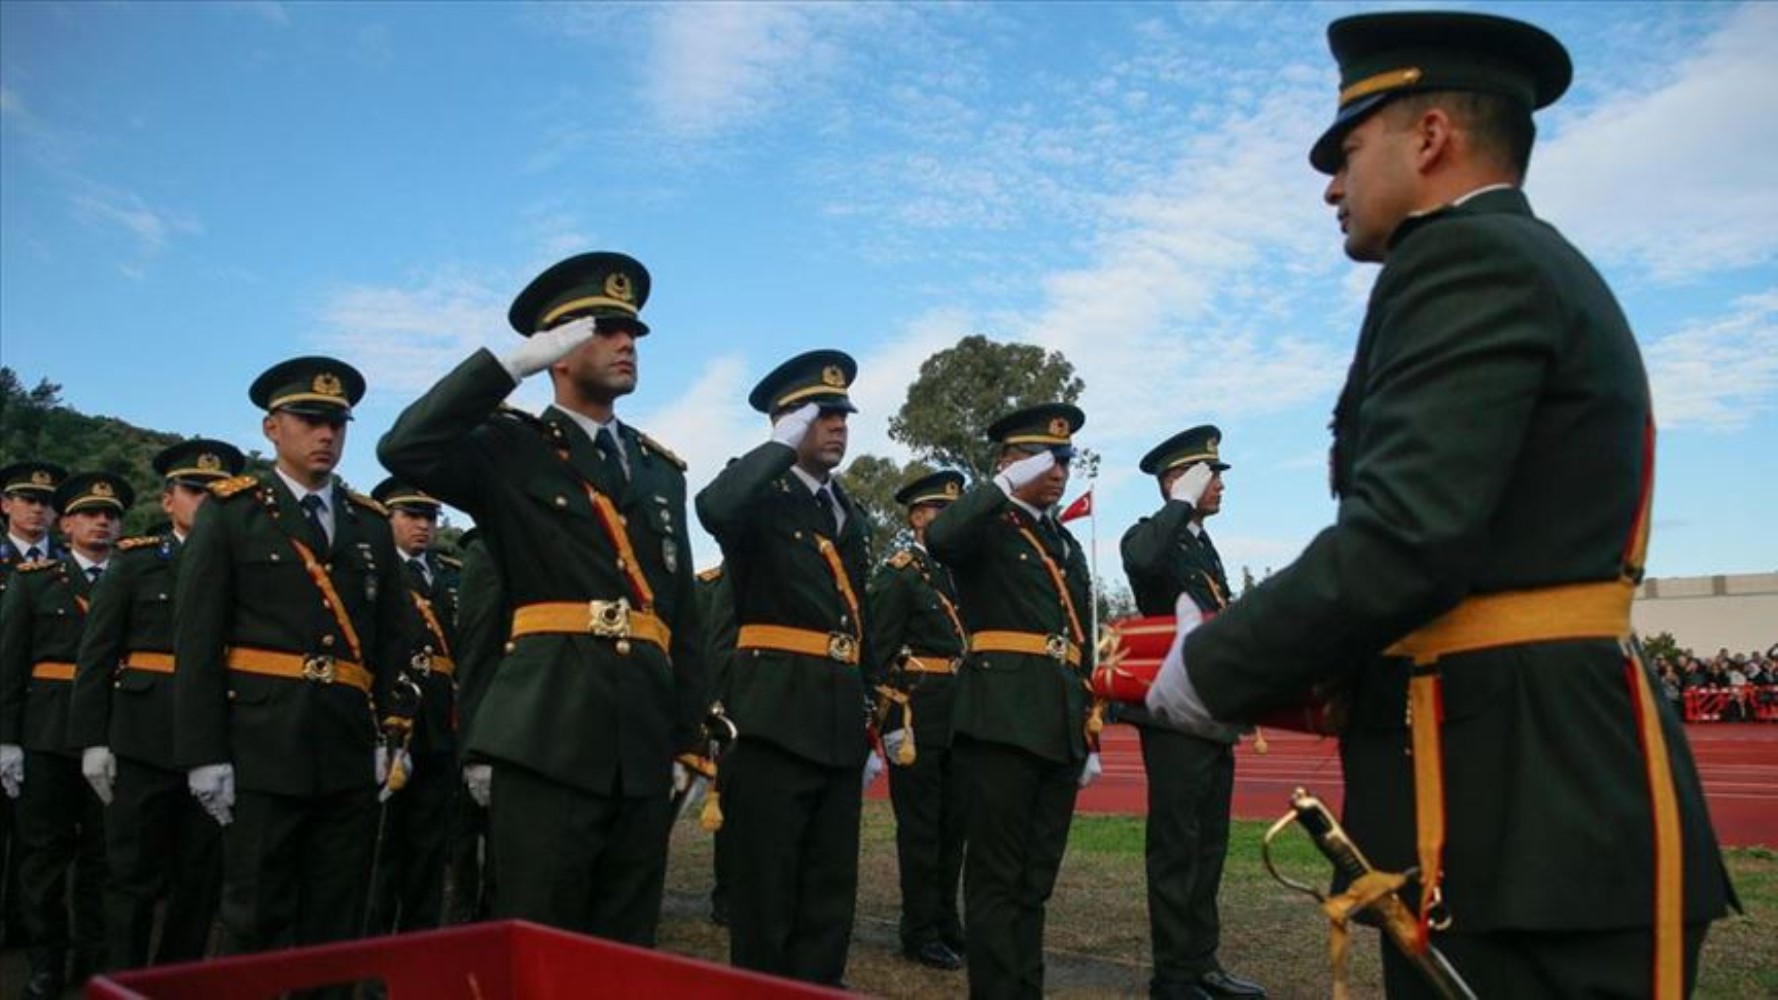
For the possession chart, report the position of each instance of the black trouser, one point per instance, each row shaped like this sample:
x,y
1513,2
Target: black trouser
x,y
928,802
1019,806
12,927
160,844
469,886
1190,782
594,864
1537,964
295,870
61,827
409,890
791,860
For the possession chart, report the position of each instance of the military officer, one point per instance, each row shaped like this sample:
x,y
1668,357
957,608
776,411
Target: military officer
x,y
483,622
584,517
26,490
917,634
159,843
1473,593
1191,774
717,599
409,890
795,548
1019,741
287,636
61,827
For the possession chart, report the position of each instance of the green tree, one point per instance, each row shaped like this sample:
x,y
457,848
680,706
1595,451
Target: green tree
x,y
871,482
1663,644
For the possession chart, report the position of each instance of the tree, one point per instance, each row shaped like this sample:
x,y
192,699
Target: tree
x,y
1663,645
871,482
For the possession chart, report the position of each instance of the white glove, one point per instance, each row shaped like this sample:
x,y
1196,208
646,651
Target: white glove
x,y
873,768
1090,773
681,778
12,768
213,785
100,769
792,427
892,743
546,347
1192,483
479,779
1024,470
394,769
1172,696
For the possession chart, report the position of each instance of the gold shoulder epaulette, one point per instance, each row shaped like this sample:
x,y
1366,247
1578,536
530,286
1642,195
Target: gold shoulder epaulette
x,y
35,565
367,503
451,561
137,542
712,574
665,452
902,559
232,487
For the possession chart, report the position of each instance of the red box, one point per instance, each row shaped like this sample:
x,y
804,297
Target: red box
x,y
493,961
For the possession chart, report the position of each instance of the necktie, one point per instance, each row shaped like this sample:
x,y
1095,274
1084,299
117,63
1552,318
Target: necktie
x,y
92,573
33,554
610,465
830,506
422,575
312,506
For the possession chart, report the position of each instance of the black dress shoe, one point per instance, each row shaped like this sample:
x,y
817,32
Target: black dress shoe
x,y
935,955
1218,983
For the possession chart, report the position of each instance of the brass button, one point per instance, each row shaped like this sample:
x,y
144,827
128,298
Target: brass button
x,y
561,501
327,640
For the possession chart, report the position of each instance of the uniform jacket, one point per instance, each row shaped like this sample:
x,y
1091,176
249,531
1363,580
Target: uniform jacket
x,y
1492,436
1163,559
241,583
42,619
435,726
768,523
571,707
716,597
1033,702
10,558
483,623
908,616
130,711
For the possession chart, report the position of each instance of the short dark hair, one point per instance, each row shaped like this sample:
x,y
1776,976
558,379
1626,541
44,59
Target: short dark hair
x,y
1501,127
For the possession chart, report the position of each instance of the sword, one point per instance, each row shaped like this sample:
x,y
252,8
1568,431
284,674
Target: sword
x,y
1397,920
719,732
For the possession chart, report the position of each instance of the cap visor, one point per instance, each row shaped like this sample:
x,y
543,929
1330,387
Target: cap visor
x,y
1325,155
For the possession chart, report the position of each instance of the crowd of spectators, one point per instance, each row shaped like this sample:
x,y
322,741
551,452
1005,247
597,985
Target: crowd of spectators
x,y
1727,687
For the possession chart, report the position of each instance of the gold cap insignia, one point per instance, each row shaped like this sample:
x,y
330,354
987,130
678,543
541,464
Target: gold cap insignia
x,y
618,287
41,478
831,375
103,489
1059,427
328,384
209,462
952,489
1211,447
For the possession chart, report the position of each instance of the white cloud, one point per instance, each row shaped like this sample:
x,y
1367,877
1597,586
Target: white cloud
x,y
152,228
716,66
1720,373
409,337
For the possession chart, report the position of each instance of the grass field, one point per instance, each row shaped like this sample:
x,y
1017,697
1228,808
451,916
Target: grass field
x,y
1097,942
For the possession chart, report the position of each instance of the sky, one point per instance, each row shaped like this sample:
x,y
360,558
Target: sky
x,y
190,193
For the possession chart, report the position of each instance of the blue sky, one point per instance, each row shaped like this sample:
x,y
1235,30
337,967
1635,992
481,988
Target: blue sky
x,y
191,192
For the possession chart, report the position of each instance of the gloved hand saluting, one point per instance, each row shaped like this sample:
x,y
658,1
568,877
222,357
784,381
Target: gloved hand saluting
x,y
546,347
1024,471
1191,484
792,427
213,785
100,770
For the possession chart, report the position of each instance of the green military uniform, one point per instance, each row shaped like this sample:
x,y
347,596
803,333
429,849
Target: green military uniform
x,y
60,819
717,600
159,843
1191,774
584,714
791,789
38,479
1020,721
286,639
1493,438
917,636
409,891
483,622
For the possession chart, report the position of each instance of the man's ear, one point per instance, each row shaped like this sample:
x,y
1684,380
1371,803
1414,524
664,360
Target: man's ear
x,y
1434,137
266,424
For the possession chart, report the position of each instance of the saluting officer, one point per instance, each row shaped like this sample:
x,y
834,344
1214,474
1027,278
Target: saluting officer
x,y
796,549
573,743
409,890
1191,772
60,819
918,637
1019,742
286,638
159,842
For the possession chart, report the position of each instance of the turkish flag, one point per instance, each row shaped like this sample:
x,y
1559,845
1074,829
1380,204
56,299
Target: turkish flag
x,y
1082,507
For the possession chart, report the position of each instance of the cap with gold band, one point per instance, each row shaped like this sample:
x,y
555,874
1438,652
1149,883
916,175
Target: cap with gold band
x,y
94,491
611,287
1383,56
820,377
398,494
199,462
32,478
312,386
938,488
1198,444
1046,426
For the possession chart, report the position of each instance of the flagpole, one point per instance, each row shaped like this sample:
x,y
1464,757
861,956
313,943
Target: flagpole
x,y
1093,557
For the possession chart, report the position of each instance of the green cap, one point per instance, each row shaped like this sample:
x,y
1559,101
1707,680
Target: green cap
x,y
199,462
1046,426
1198,444
398,494
608,286
820,377
94,491
313,386
31,476
938,488
1383,56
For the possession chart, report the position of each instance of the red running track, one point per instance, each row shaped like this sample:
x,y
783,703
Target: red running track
x,y
1738,762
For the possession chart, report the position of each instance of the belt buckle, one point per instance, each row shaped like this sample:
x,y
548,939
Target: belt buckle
x,y
421,662
1056,648
318,668
609,619
842,647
